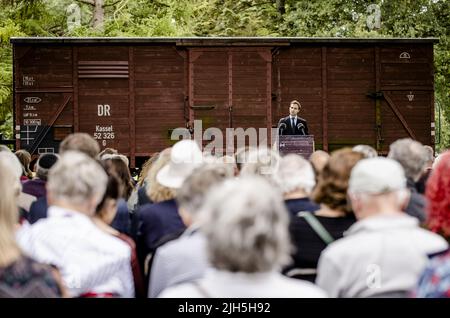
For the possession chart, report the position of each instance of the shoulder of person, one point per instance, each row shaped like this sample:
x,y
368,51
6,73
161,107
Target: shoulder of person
x,y
301,119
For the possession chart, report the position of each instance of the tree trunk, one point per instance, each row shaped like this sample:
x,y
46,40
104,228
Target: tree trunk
x,y
99,13
280,6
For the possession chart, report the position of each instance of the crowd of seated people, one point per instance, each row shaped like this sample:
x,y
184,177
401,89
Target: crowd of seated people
x,y
350,223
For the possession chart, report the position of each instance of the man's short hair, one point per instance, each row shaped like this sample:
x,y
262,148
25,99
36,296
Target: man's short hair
x,y
80,142
296,102
76,178
411,155
193,191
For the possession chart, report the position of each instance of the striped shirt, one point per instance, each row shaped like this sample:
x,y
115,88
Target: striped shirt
x,y
90,261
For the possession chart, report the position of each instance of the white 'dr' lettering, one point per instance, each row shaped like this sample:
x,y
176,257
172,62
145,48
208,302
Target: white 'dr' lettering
x,y
103,110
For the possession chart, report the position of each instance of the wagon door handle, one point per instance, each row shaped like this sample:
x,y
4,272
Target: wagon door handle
x,y
203,107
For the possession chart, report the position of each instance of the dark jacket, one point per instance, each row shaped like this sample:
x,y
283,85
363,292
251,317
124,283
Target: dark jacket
x,y
300,205
158,220
300,129
38,210
417,203
35,187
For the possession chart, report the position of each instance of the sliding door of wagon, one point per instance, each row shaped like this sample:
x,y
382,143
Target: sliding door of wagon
x,y
208,91
407,86
103,95
350,74
251,91
229,88
159,86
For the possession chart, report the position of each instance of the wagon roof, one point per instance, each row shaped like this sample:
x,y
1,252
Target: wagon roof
x,y
217,41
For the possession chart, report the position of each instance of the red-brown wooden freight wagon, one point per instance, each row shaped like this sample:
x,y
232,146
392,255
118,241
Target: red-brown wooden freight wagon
x,y
130,93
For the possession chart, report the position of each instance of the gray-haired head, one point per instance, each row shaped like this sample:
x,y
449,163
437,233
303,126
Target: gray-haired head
x,y
81,142
411,155
366,150
430,155
192,193
77,179
260,161
295,173
4,148
246,226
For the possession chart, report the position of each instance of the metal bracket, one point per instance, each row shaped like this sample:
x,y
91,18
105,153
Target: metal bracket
x,y
203,107
375,95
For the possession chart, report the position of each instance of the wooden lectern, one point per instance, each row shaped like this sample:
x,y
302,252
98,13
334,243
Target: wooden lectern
x,y
300,145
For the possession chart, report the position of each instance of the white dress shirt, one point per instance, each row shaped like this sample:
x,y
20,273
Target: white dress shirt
x,y
89,259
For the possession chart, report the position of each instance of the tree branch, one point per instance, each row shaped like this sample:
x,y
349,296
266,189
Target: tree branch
x,y
91,2
111,4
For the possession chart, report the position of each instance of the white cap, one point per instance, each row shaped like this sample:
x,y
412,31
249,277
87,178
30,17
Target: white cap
x,y
377,175
185,156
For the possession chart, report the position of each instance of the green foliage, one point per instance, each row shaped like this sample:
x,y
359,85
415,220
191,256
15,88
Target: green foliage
x,y
166,18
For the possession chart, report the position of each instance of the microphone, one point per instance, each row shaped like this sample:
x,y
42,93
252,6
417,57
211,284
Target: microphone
x,y
301,127
282,127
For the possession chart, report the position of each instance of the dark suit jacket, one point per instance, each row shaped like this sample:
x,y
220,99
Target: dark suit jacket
x,y
293,130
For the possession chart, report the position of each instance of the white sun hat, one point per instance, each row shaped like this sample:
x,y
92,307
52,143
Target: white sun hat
x,y
185,156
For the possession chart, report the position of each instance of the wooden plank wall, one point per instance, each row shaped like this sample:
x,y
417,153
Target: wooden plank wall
x,y
351,113
331,81
159,85
407,70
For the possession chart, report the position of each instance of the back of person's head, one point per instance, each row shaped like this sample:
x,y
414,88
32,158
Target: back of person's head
x,y
332,185
12,163
156,191
366,150
80,142
246,226
319,159
437,193
9,215
107,208
411,155
25,160
4,148
44,163
260,161
430,156
295,173
76,179
124,158
146,168
377,181
107,151
118,167
191,195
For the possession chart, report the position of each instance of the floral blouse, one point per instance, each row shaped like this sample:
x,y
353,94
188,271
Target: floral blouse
x,y
435,280
26,278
